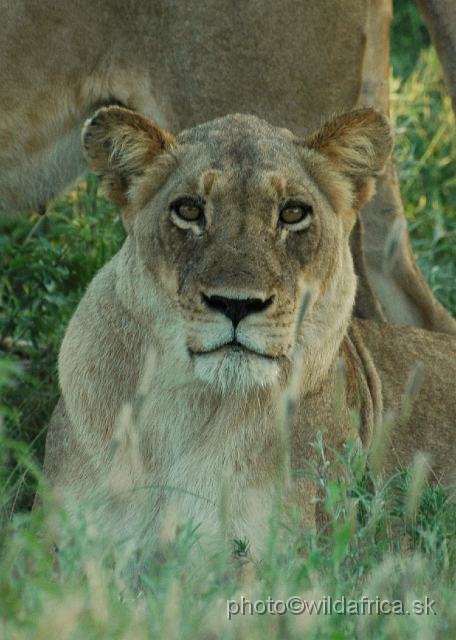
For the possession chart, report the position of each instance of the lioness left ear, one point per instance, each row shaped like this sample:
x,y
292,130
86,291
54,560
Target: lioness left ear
x,y
358,144
118,145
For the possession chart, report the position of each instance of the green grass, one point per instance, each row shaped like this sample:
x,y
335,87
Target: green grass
x,y
49,261
385,541
409,35
389,538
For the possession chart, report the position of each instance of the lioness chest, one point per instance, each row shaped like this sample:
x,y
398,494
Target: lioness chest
x,y
214,463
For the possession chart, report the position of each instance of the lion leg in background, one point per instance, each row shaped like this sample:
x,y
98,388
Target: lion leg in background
x,y
397,282
367,305
399,286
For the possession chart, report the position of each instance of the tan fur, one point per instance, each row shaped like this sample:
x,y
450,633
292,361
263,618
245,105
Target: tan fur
x,y
169,406
293,64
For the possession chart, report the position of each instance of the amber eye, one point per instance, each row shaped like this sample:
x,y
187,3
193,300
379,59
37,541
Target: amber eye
x,y
296,213
188,211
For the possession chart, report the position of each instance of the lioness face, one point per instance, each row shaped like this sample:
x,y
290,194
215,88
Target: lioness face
x,y
233,223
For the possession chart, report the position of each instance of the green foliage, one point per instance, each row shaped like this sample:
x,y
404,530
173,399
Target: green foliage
x,y
409,35
48,262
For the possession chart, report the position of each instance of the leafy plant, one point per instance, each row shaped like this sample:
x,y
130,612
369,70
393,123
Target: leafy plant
x,y
48,262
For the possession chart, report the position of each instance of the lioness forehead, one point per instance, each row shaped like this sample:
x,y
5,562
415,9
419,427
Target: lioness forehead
x,y
241,157
240,141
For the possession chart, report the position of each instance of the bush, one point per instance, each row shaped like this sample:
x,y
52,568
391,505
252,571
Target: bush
x,y
49,262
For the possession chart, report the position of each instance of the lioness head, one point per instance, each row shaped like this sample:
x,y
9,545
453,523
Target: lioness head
x,y
232,224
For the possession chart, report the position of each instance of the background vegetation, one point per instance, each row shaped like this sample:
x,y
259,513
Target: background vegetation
x,y
389,537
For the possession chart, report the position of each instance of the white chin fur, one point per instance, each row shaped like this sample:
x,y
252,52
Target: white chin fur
x,y
232,370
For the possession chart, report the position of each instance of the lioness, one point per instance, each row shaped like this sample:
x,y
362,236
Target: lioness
x,y
182,63
184,343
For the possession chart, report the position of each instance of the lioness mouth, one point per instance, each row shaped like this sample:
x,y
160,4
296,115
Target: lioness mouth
x,y
233,346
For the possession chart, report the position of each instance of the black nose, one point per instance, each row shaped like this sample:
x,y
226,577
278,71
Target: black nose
x,y
236,308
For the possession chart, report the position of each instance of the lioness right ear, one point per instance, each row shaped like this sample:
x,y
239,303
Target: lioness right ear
x,y
118,145
358,145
